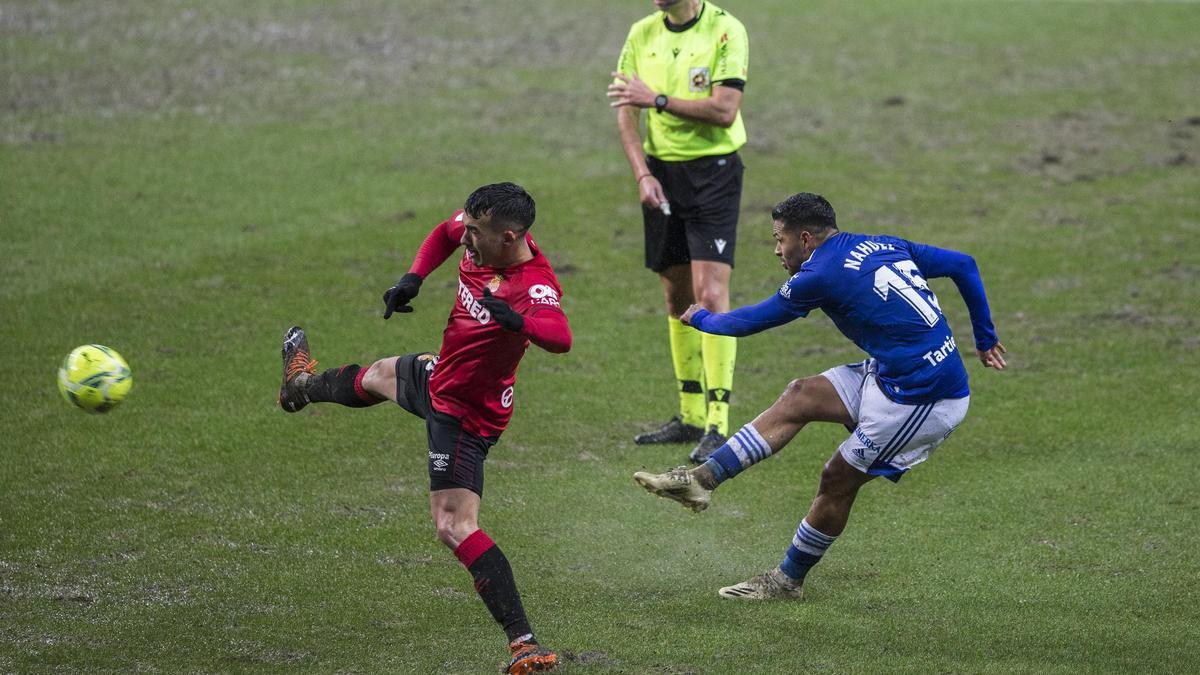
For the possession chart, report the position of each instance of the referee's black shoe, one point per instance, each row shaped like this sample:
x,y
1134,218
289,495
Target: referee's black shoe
x,y
709,442
674,431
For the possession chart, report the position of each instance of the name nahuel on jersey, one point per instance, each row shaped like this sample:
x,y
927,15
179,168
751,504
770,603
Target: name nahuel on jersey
x,y
860,253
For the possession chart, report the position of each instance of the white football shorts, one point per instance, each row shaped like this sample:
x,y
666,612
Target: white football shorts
x,y
891,437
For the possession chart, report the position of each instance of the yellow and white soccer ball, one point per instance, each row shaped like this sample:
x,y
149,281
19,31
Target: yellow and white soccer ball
x,y
94,378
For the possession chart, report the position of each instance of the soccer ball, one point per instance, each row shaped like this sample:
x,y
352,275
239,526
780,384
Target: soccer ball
x,y
94,378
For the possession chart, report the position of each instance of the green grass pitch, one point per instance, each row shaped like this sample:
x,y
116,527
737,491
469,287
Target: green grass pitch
x,y
182,181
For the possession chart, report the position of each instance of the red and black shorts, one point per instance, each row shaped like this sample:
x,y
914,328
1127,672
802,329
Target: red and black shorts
x,y
456,455
705,196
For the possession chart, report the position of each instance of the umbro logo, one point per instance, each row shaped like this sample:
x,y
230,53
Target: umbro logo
x,y
720,243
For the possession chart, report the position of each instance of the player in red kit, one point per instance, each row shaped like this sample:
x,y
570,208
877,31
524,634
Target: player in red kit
x,y
508,297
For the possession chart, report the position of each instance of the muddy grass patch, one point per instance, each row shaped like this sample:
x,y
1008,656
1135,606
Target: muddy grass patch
x,y
1065,145
226,59
1083,145
590,658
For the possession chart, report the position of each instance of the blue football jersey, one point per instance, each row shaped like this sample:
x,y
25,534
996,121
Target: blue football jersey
x,y
874,289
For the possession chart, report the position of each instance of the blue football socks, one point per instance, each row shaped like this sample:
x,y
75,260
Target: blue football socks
x,y
744,448
806,550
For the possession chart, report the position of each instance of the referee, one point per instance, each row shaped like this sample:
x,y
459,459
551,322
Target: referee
x,y
686,64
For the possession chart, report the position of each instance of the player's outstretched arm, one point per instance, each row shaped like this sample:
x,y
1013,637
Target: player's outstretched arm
x,y
962,269
743,321
441,243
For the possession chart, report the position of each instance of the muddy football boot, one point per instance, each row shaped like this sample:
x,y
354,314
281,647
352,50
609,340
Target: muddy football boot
x,y
298,368
530,657
709,442
772,585
674,431
678,484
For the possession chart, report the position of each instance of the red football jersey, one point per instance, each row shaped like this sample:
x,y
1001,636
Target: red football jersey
x,y
477,366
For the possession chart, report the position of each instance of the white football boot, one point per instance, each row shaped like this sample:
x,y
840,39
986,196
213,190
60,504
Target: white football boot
x,y
678,484
772,585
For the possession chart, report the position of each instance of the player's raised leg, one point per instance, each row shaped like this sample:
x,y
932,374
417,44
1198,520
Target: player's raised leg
x,y
812,399
455,513
344,384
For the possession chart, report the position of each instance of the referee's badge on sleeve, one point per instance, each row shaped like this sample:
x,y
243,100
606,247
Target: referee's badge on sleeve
x,y
698,79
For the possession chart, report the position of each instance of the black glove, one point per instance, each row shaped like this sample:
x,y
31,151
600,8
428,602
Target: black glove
x,y
396,298
506,316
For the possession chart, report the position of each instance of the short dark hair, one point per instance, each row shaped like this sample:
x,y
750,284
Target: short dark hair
x,y
805,211
506,202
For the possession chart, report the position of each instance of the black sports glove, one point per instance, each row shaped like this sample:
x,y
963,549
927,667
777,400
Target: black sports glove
x,y
396,298
506,316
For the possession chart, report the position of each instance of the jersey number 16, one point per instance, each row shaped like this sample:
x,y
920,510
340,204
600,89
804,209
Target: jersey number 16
x,y
904,278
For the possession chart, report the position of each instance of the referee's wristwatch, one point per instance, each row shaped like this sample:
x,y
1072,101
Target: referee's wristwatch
x,y
660,102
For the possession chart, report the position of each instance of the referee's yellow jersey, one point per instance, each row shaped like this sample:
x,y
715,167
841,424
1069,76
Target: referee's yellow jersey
x,y
684,65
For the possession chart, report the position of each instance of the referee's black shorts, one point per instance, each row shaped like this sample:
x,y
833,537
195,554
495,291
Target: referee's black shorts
x,y
455,454
705,196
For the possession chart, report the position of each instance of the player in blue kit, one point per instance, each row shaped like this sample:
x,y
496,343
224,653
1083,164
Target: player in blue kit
x,y
899,404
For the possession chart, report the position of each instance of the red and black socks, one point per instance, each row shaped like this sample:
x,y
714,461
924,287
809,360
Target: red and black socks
x,y
341,385
495,584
